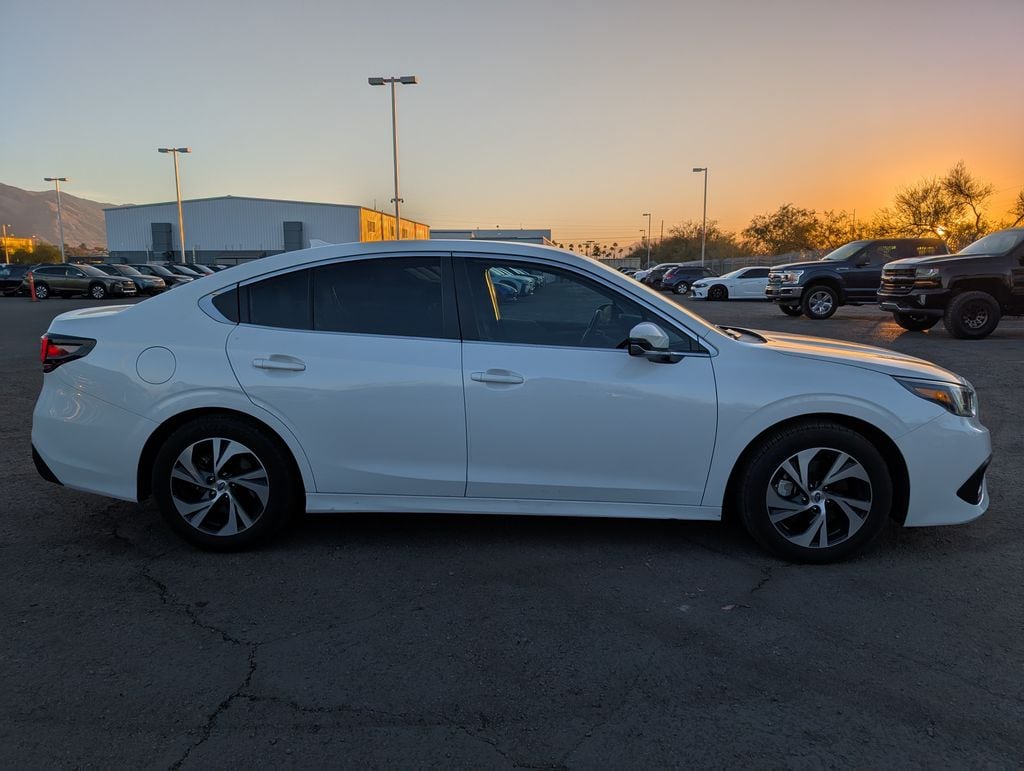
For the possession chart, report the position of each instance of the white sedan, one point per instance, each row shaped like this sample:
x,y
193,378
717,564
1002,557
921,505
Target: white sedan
x,y
381,377
742,284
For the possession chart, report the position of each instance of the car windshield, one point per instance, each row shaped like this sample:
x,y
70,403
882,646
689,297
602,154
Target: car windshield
x,y
125,270
732,273
160,270
91,270
995,243
844,252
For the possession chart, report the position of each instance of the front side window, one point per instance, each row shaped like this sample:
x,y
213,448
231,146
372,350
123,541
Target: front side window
x,y
550,306
756,273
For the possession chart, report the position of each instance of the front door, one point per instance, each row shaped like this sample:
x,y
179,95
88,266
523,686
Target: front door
x,y
361,359
864,271
556,407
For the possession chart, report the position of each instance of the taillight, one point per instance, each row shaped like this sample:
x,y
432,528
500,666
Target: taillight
x,y
55,350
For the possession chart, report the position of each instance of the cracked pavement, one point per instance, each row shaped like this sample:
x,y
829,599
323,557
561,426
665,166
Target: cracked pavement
x,y
509,642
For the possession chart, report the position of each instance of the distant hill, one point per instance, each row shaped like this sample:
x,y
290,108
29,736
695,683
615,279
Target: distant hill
x,y
31,213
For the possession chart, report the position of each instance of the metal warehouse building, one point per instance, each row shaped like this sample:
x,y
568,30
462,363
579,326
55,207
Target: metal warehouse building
x,y
232,229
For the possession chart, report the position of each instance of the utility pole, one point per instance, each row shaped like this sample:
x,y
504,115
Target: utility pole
x,y
177,191
60,214
648,215
409,80
7,255
704,225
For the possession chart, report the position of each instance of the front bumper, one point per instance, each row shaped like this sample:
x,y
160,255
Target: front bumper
x,y
699,292
783,293
946,460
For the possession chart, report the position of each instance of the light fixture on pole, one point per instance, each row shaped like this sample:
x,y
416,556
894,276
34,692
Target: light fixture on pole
x,y
60,214
406,80
648,215
704,222
177,192
7,255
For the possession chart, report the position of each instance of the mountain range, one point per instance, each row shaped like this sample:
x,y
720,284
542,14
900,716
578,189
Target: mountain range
x,y
34,213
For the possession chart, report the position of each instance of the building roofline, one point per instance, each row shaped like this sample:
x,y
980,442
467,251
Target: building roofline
x,y
129,206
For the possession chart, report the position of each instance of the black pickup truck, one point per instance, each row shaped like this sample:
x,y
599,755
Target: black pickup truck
x,y
848,275
970,290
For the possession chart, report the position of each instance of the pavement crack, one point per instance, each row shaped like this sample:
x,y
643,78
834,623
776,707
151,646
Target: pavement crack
x,y
187,608
766,576
206,730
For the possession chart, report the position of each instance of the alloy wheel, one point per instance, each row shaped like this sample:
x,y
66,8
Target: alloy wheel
x,y
219,486
975,316
820,303
818,498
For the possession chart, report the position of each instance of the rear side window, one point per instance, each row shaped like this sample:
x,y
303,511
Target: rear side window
x,y
400,296
756,273
281,301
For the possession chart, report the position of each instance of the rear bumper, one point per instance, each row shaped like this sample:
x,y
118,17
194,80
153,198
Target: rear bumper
x,y
42,468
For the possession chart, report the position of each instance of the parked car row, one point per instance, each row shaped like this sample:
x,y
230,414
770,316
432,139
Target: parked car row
x,y
99,281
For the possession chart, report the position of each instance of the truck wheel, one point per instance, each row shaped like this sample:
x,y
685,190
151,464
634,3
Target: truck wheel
x,y
791,310
972,315
915,322
820,302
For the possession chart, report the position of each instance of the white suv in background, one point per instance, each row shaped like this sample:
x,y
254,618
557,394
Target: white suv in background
x,y
392,377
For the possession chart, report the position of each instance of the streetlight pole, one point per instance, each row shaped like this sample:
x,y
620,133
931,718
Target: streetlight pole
x,y
7,254
60,214
704,222
408,80
648,215
177,192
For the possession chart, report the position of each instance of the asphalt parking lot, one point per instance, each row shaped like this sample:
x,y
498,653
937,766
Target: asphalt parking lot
x,y
476,641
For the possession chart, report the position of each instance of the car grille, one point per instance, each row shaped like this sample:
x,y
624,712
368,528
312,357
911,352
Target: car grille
x,y
128,286
897,280
774,278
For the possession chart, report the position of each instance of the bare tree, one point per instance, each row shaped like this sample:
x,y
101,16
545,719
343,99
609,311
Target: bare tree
x,y
1017,212
971,193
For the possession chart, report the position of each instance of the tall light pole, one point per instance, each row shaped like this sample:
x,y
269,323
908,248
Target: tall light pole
x,y
7,255
60,214
648,215
407,80
177,192
704,222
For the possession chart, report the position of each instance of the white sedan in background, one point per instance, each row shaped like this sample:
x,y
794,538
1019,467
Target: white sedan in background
x,y
742,284
380,377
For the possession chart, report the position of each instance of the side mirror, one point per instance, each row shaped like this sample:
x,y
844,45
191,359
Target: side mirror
x,y
651,341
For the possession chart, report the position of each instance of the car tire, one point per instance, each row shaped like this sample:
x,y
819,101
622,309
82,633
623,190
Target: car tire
x,y
819,302
42,291
972,315
915,322
791,310
98,292
254,488
681,288
787,513
718,292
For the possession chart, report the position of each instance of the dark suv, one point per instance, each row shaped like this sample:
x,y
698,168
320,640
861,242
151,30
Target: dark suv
x,y
849,275
680,278
67,280
11,277
970,290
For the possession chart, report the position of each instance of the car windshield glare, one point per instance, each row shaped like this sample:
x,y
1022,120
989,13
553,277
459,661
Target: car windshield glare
x,y
995,243
91,270
126,270
844,252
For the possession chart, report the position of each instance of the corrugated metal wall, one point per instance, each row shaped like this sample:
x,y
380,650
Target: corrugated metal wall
x,y
231,224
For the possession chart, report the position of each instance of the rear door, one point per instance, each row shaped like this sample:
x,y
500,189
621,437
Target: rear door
x,y
361,359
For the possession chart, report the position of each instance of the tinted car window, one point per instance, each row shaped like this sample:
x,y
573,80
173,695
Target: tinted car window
x,y
393,296
52,271
756,273
564,310
281,301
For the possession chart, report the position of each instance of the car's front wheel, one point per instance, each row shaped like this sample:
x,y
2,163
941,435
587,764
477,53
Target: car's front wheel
x,y
972,315
820,302
221,483
718,292
815,492
915,322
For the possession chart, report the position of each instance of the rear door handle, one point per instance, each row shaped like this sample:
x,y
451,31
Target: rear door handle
x,y
280,363
497,376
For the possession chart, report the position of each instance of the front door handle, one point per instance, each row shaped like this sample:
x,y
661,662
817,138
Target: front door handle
x,y
280,363
497,376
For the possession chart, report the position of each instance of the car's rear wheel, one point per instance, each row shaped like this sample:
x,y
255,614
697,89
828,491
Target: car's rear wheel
x,y
221,483
791,310
972,315
97,291
815,492
718,292
681,288
915,322
42,291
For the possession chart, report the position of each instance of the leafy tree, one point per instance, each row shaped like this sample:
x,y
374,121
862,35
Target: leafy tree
x,y
834,229
788,229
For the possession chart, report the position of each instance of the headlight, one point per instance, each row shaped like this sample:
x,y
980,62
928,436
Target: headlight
x,y
926,273
958,399
791,276
696,284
